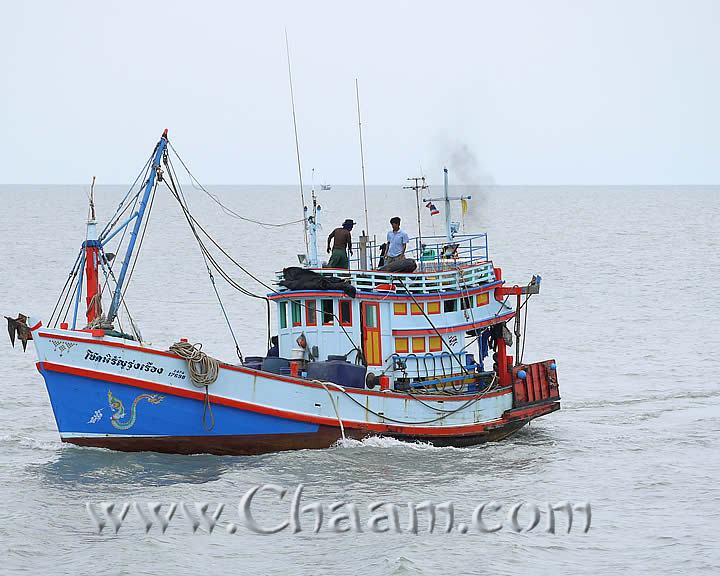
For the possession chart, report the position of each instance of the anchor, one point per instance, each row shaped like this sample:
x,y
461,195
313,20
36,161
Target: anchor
x,y
18,326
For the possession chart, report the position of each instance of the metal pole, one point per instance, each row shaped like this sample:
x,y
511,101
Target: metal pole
x,y
417,203
159,149
362,157
448,220
297,143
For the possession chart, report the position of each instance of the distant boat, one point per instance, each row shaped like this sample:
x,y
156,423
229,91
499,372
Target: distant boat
x,y
325,187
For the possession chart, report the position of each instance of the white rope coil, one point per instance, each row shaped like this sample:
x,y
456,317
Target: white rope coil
x,y
203,369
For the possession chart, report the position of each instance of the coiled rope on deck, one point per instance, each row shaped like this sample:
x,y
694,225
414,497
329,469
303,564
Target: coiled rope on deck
x,y
203,370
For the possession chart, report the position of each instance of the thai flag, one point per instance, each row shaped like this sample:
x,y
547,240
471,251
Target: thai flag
x,y
433,209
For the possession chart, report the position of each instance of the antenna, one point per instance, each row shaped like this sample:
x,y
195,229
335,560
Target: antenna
x,y
451,227
362,157
417,187
297,143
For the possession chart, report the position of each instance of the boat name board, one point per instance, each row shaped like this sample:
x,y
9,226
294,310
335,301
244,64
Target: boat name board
x,y
115,360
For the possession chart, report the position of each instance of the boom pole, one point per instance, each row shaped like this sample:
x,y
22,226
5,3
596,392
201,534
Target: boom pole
x,y
159,149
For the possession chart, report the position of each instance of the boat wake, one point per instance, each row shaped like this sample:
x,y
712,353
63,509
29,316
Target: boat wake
x,y
385,443
20,441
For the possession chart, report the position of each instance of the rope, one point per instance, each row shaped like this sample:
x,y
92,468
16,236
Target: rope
x,y
470,402
422,309
203,368
332,400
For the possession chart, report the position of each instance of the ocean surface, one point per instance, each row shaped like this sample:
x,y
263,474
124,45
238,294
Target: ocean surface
x,y
628,308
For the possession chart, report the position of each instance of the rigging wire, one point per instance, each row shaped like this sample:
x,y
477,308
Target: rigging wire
x,y
422,309
68,282
142,237
172,176
195,225
111,223
229,211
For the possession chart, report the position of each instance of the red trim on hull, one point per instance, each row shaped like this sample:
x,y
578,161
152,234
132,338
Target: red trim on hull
x,y
325,437
408,429
298,381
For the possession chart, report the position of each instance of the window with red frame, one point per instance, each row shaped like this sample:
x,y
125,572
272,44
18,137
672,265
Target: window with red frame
x,y
345,313
310,313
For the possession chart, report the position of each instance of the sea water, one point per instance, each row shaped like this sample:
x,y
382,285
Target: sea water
x,y
628,308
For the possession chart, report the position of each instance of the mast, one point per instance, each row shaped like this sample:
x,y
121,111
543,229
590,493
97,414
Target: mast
x,y
92,254
312,224
450,229
154,172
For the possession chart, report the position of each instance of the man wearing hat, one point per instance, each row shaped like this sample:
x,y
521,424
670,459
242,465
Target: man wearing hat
x,y
342,244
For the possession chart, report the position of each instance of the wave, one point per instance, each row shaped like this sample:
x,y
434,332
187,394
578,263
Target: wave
x,y
20,441
386,442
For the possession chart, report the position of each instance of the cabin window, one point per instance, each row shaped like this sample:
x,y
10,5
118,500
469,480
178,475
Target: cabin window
x,y
466,302
327,313
371,320
435,343
283,314
296,314
433,307
310,312
418,344
416,309
482,299
401,345
345,313
400,309
450,305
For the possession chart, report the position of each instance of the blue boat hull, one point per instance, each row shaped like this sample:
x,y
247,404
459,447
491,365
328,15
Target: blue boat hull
x,y
84,409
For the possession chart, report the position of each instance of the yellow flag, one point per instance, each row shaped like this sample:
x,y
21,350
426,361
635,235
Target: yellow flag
x,y
464,204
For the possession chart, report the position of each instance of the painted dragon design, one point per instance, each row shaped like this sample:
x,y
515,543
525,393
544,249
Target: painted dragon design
x,y
118,409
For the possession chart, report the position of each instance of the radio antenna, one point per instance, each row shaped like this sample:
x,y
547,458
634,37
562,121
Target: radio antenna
x,y
362,157
297,143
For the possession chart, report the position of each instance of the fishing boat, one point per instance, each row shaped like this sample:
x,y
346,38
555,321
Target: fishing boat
x,y
365,351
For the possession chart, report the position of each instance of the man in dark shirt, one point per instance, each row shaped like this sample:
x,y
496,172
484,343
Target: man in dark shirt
x,y
342,244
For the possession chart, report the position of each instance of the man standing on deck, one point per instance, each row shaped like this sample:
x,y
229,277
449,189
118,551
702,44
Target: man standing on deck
x,y
342,244
397,241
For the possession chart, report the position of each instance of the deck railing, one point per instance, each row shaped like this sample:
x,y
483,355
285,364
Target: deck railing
x,y
455,279
433,253
442,266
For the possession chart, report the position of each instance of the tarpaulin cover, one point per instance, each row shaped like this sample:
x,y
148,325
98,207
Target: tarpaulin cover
x,y
296,278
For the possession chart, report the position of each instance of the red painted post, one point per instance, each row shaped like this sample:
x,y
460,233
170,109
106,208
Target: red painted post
x,y
92,255
502,363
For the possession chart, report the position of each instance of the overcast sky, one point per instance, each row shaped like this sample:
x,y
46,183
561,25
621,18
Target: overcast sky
x,y
506,92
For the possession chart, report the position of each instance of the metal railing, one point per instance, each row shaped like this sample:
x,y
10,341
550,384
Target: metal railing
x,y
442,266
429,281
435,252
